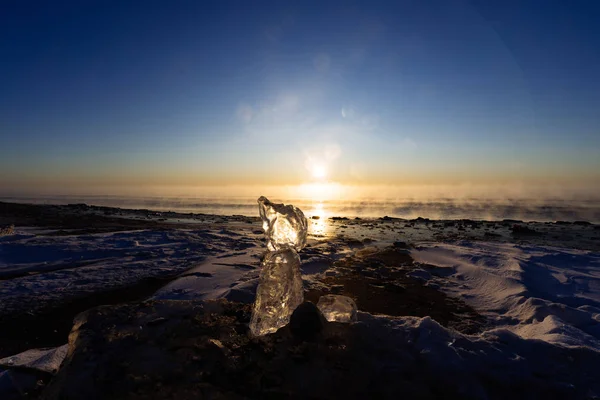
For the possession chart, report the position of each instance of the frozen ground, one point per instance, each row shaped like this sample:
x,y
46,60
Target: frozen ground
x,y
536,292
40,270
531,282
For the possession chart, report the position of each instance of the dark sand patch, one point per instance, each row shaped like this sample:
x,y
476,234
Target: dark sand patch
x,y
378,282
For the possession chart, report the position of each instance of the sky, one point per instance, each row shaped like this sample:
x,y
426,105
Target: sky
x,y
128,95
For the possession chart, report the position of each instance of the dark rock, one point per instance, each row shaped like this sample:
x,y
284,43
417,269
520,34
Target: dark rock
x,y
523,230
203,350
401,245
491,234
582,223
339,218
306,322
16,384
316,217
6,230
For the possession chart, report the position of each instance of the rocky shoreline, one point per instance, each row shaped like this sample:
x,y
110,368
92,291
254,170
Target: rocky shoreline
x,y
427,344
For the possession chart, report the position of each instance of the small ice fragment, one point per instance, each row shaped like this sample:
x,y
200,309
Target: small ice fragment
x,y
285,226
279,292
336,308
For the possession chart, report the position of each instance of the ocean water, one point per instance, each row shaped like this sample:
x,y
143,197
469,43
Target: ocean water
x,y
437,208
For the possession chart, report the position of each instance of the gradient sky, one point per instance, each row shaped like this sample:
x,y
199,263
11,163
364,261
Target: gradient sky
x,y
195,93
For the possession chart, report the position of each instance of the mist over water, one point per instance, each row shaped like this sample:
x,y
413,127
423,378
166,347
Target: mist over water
x,y
526,209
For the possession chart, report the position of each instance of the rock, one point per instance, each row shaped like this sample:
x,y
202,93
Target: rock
x,y
336,308
307,321
523,230
6,230
17,384
203,350
491,234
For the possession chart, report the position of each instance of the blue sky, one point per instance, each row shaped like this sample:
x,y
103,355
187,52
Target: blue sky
x,y
195,93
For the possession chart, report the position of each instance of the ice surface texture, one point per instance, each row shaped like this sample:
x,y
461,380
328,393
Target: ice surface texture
x,y
337,308
280,284
279,292
285,225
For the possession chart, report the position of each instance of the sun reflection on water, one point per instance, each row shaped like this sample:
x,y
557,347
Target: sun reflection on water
x,y
318,225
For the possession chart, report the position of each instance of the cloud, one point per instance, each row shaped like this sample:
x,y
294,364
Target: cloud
x,y
348,112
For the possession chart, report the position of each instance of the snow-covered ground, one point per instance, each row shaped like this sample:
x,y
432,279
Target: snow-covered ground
x,y
545,293
40,270
547,296
537,292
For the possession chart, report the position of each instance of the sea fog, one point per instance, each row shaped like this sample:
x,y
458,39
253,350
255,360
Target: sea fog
x,y
526,209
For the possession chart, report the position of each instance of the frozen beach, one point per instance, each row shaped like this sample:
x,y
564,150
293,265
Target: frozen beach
x,y
527,290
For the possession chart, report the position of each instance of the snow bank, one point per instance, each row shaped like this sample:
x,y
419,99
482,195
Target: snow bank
x,y
37,270
536,292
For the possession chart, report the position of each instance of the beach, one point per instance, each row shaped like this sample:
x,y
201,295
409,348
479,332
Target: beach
x,y
526,289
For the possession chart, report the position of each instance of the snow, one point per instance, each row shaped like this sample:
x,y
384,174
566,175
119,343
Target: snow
x,y
217,277
49,268
46,360
541,302
538,368
545,293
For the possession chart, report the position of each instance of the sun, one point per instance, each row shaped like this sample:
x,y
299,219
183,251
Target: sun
x,y
319,171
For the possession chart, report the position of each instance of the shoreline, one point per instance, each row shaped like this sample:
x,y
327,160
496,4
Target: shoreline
x,y
33,325
467,280
195,212
168,216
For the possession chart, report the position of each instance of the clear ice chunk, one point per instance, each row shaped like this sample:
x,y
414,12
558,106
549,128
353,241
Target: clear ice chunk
x,y
336,308
279,292
285,226
279,289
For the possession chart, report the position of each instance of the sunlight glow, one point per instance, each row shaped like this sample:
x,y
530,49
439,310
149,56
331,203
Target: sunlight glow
x,y
318,225
319,171
319,191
